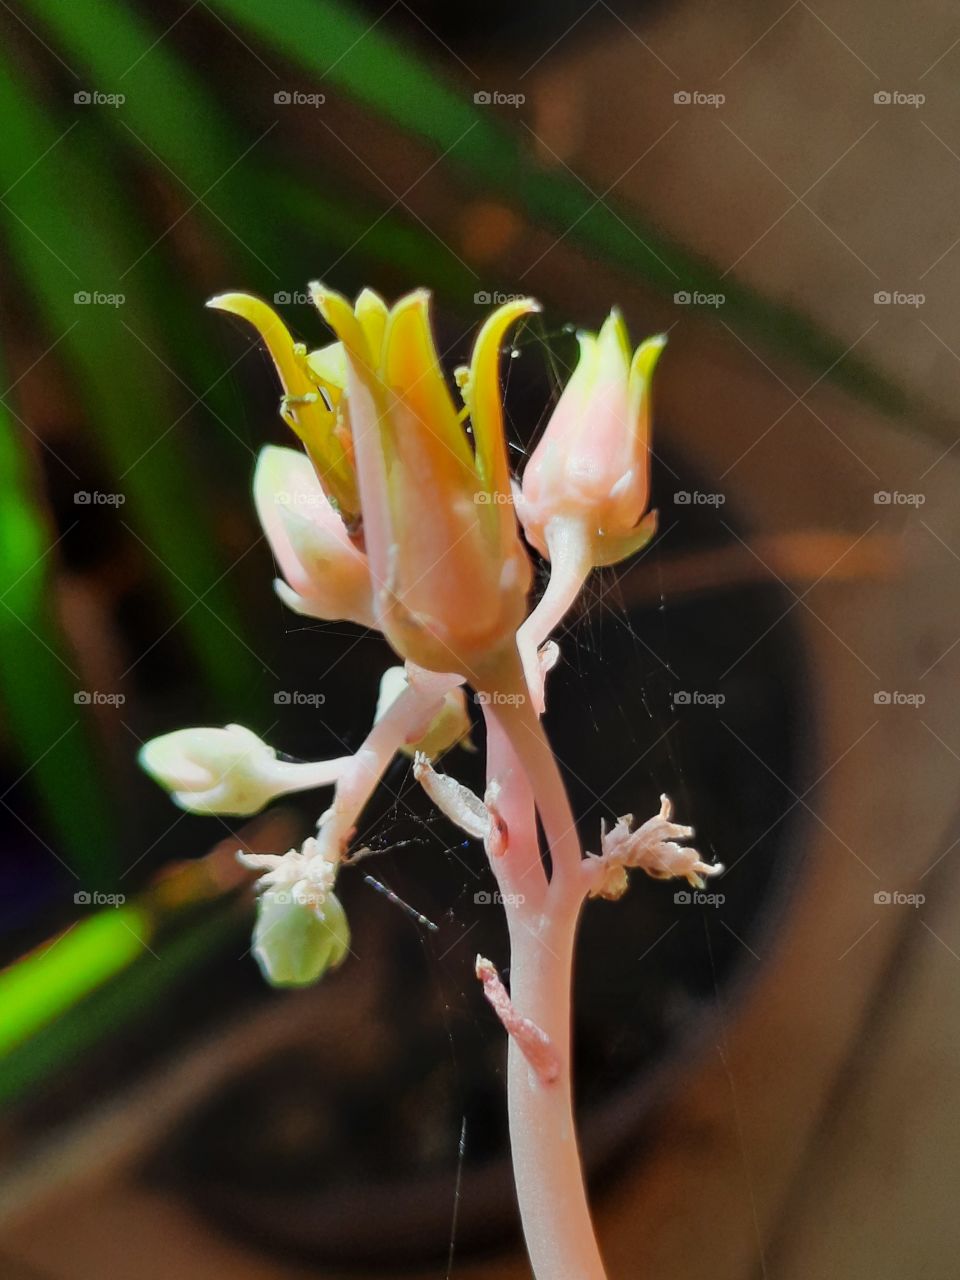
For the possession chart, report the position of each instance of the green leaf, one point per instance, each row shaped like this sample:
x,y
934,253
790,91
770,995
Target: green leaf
x,y
36,680
66,239
98,980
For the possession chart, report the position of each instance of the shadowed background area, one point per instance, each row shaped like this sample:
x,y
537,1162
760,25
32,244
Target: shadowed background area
x,y
776,188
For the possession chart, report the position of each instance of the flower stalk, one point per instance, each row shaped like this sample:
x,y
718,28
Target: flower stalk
x,y
396,518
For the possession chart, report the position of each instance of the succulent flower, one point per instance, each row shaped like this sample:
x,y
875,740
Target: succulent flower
x,y
449,570
587,484
592,463
228,770
325,576
401,517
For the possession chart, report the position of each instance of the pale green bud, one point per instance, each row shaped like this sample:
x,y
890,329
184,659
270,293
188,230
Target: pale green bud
x,y
296,942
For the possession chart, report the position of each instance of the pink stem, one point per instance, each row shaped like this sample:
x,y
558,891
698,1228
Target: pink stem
x,y
406,719
546,1160
553,1204
570,563
520,870
508,701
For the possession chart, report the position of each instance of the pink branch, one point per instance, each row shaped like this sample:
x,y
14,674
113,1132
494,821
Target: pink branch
x,y
534,1044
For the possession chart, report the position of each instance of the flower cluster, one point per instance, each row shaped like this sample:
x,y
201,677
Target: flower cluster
x,y
399,513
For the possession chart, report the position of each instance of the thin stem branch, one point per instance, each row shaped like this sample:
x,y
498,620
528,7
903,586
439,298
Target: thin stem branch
x,y
509,701
406,719
571,561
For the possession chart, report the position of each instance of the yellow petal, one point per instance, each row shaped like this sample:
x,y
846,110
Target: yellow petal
x,y
329,366
340,316
411,372
613,349
275,334
481,391
372,312
611,550
641,374
310,400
